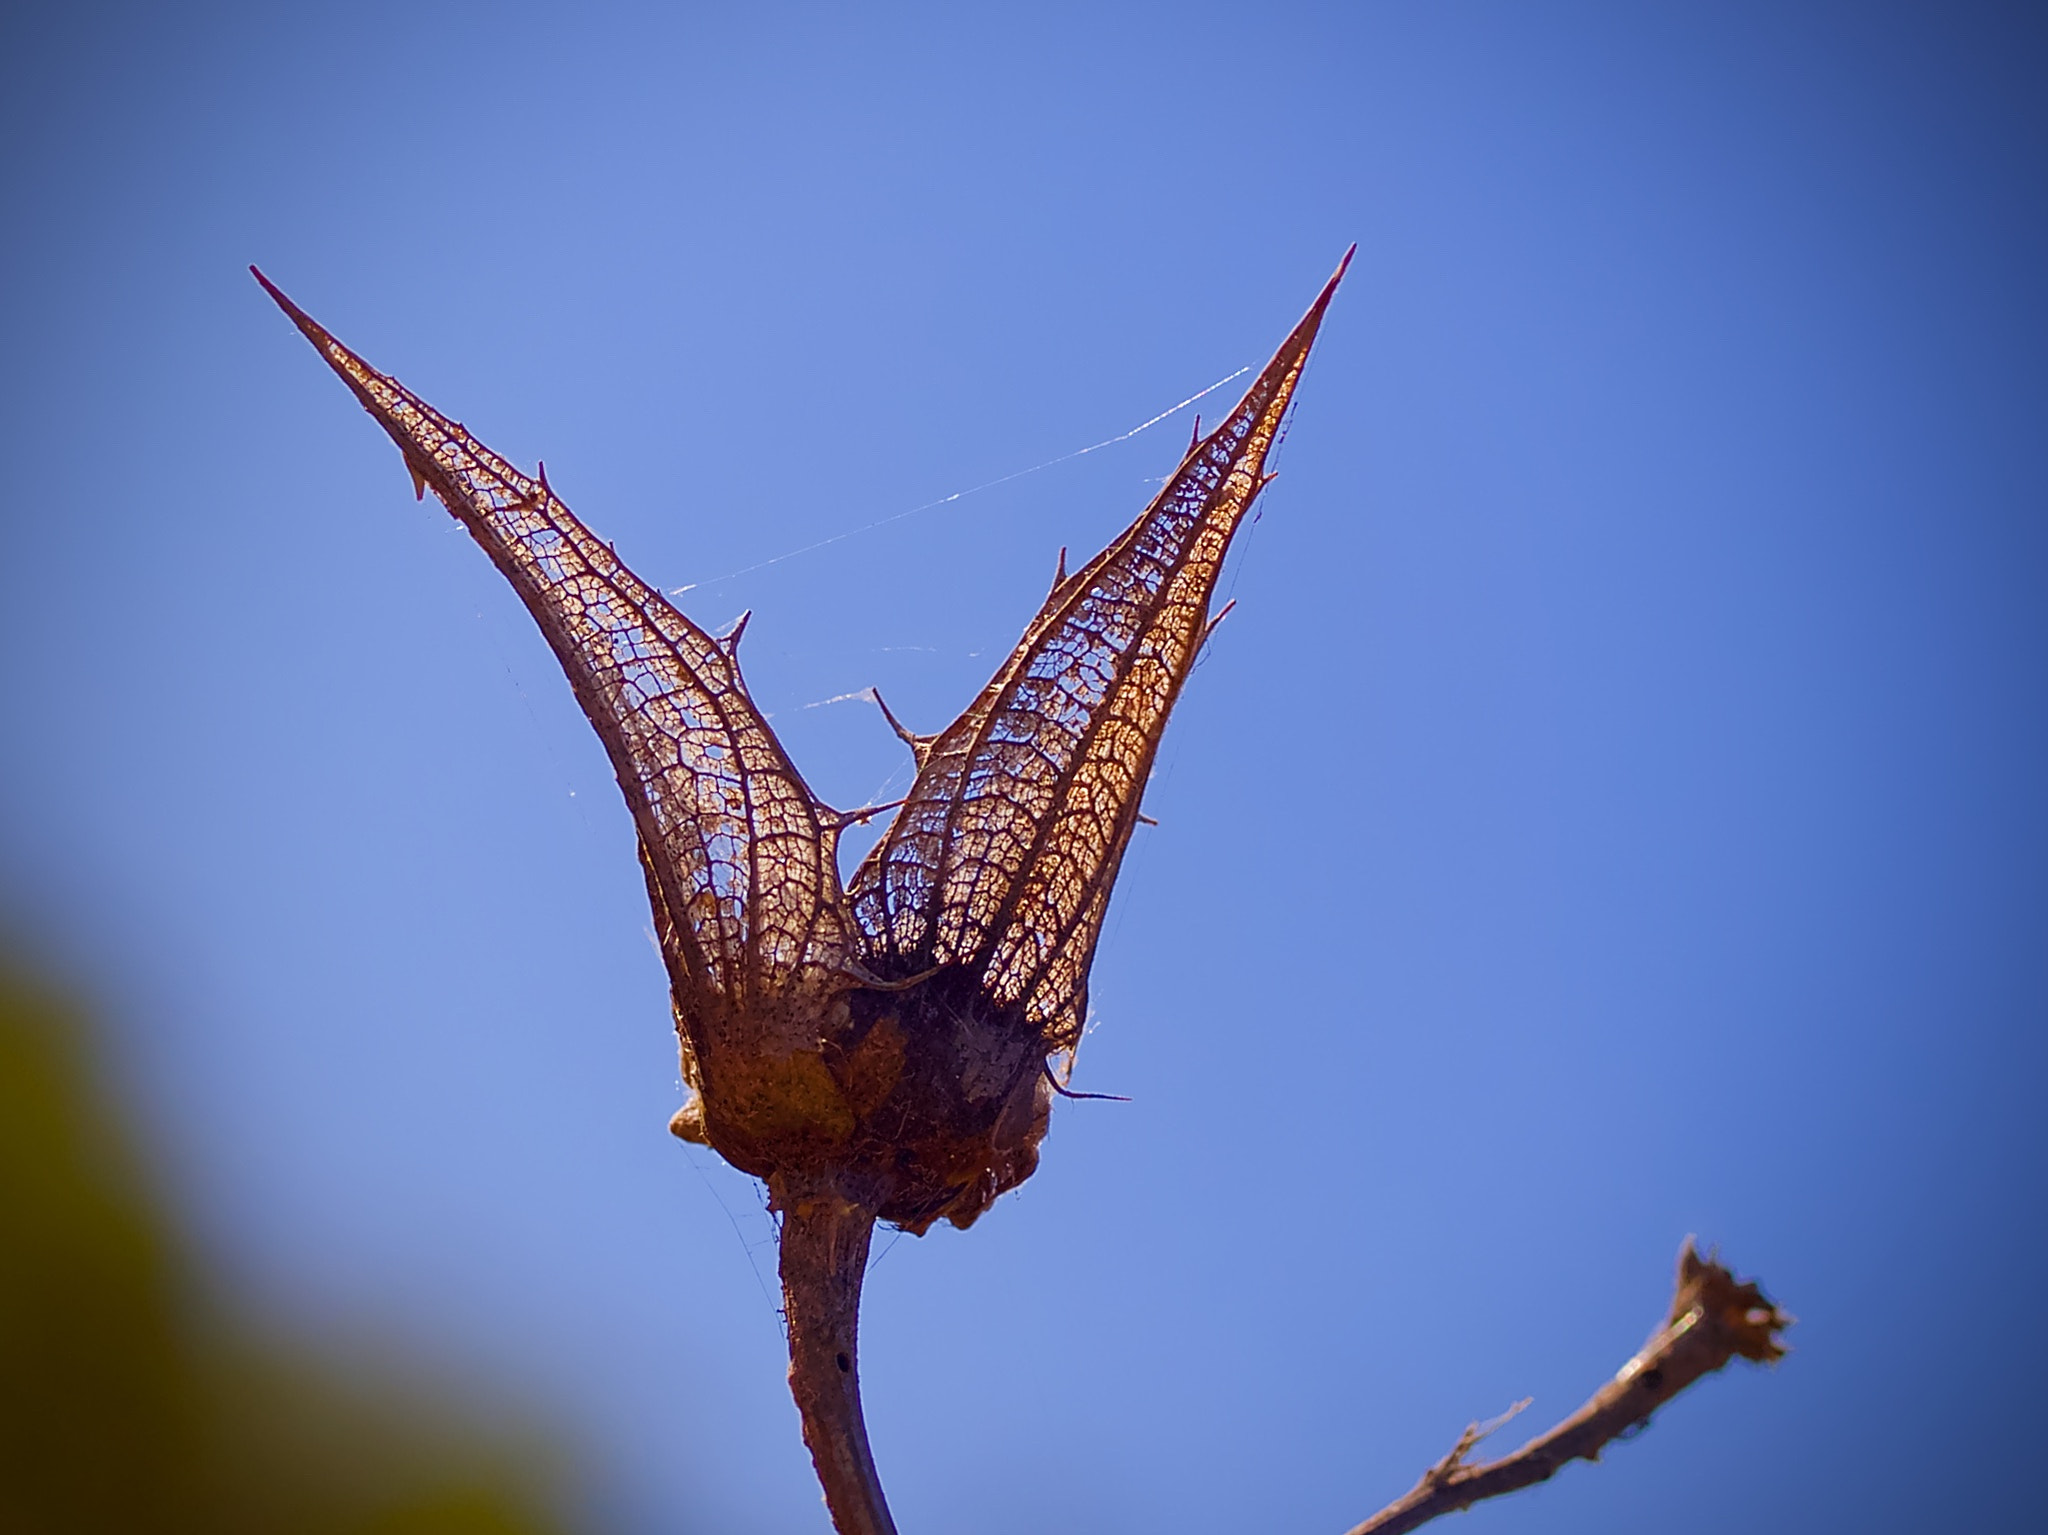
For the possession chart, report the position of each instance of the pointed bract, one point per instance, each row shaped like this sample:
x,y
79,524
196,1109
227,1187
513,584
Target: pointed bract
x,y
1002,859
739,858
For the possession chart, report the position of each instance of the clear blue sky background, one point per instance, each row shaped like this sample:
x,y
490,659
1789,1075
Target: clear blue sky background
x,y
1615,809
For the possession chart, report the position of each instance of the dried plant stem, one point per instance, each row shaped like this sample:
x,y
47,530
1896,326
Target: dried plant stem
x,y
824,1258
1714,1318
851,1023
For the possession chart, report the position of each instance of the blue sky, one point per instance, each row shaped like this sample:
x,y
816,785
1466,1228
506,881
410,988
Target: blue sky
x,y
1612,811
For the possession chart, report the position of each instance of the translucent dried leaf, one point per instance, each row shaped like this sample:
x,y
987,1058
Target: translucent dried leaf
x,y
1002,858
740,857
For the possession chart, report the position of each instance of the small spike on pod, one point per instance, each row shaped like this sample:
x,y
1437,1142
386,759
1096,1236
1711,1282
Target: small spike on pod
x,y
729,641
908,737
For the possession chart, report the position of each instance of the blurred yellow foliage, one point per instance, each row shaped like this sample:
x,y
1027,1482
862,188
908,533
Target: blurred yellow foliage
x,y
124,1408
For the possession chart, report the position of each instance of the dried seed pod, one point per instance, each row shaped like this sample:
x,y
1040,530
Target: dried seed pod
x,y
878,1050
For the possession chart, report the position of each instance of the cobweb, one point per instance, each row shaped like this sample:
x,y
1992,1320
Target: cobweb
x,y
1001,860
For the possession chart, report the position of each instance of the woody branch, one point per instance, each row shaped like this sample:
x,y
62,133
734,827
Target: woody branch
x,y
1714,1318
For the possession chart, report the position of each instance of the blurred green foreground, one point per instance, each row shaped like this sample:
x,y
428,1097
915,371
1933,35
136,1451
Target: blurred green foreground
x,y
122,1407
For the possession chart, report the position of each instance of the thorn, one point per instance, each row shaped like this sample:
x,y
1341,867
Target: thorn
x,y
729,641
1059,575
298,316
1210,627
1146,819
1068,1092
911,739
419,481
1315,310
1195,439
546,489
839,820
1268,478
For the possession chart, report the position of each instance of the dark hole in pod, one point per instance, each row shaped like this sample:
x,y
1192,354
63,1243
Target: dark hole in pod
x,y
845,1365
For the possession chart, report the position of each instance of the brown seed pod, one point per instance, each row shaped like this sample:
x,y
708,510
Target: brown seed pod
x,y
878,1049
